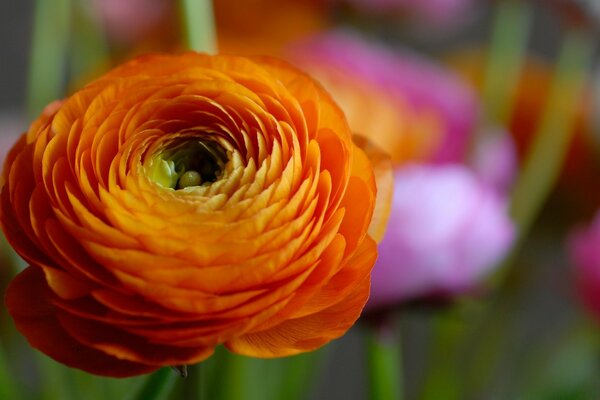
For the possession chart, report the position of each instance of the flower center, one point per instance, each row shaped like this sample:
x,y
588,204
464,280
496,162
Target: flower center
x,y
188,163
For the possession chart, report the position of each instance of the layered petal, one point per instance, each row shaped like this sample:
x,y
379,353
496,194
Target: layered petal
x,y
181,202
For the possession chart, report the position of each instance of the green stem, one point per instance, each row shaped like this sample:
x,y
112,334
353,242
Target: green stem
x,y
236,380
89,47
537,178
8,385
443,377
487,342
385,365
511,27
554,133
48,59
300,372
199,25
158,385
55,379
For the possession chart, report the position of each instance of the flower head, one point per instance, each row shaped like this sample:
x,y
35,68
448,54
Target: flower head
x,y
446,232
182,202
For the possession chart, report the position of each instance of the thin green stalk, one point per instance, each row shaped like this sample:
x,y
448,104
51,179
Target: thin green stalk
x,y
300,372
8,385
211,377
554,132
487,342
537,178
199,25
89,54
235,381
236,385
55,379
443,376
385,365
158,385
48,58
511,27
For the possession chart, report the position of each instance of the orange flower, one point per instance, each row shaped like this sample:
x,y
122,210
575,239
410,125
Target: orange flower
x,y
182,202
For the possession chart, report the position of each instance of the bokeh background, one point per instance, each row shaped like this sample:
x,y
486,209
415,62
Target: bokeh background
x,y
533,339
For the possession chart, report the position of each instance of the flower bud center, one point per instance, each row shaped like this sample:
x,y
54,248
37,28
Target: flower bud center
x,y
187,163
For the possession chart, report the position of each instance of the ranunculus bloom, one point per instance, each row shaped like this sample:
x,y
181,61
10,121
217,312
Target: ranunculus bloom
x,y
446,232
584,250
404,103
182,202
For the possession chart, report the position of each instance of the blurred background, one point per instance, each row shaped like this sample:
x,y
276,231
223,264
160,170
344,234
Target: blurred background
x,y
488,282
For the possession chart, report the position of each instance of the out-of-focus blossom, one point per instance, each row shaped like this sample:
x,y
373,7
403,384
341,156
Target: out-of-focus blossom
x,y
584,251
446,232
266,26
578,181
180,202
405,103
447,227
436,11
495,159
142,24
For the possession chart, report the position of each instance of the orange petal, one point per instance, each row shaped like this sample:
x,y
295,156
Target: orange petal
x,y
308,333
28,300
384,179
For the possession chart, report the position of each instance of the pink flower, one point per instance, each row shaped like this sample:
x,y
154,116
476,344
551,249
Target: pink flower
x,y
403,75
584,251
130,21
447,231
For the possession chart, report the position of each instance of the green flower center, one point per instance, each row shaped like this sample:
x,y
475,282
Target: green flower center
x,y
188,163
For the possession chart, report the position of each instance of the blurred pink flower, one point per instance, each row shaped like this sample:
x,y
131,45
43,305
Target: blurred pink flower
x,y
129,21
584,251
401,74
447,231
